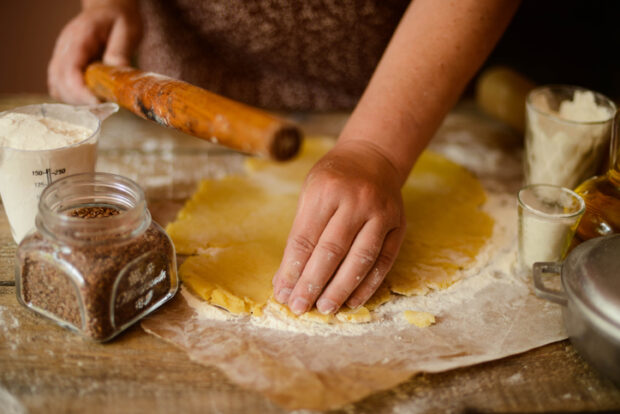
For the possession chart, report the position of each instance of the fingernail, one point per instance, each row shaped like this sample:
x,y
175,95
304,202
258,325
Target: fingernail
x,y
326,306
353,303
299,306
283,294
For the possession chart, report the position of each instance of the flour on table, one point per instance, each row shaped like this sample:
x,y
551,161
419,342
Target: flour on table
x,y
8,323
10,404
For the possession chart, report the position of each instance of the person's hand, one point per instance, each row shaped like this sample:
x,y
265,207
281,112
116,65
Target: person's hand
x,y
347,232
111,28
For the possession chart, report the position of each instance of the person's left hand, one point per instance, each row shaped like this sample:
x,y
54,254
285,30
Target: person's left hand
x,y
105,29
346,235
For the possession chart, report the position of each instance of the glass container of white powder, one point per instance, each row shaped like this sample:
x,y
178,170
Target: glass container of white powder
x,y
40,144
567,133
548,217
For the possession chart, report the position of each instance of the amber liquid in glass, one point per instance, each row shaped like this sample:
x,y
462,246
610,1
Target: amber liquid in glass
x,y
602,196
602,216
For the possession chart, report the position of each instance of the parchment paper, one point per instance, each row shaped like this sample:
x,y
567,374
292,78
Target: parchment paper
x,y
323,372
490,314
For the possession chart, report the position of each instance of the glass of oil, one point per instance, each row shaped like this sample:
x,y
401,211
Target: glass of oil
x,y
602,195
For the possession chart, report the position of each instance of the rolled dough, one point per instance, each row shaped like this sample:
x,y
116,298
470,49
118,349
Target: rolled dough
x,y
419,319
235,230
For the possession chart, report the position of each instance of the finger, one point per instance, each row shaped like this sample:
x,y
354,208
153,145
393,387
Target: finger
x,y
120,44
379,270
363,254
331,248
74,89
310,221
80,94
57,65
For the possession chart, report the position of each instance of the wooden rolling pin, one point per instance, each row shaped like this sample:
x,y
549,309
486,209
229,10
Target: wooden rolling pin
x,y
195,111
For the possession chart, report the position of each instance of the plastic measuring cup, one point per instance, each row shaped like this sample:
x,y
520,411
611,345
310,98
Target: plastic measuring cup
x,y
25,173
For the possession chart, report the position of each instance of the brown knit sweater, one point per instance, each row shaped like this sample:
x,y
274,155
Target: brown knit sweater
x,y
276,54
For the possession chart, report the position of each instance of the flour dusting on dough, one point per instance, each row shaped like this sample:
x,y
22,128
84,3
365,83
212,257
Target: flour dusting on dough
x,y
263,240
496,260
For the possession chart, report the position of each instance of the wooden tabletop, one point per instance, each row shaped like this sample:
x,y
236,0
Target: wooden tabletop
x,y
44,368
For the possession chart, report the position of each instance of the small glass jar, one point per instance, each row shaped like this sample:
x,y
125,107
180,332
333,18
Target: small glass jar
x,y
96,263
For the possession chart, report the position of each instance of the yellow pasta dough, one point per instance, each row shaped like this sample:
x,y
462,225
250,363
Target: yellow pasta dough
x,y
419,319
235,230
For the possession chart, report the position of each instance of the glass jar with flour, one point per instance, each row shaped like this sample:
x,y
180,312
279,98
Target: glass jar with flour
x,y
567,132
548,217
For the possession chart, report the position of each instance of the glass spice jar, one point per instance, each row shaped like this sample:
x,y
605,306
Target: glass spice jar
x,y
96,263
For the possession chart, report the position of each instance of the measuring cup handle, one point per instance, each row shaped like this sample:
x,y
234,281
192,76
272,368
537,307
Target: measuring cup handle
x,y
543,291
103,110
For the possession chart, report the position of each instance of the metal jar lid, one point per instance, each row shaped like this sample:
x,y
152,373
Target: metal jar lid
x,y
591,280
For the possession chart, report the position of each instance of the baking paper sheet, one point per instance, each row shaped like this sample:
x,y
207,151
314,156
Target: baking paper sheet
x,y
322,372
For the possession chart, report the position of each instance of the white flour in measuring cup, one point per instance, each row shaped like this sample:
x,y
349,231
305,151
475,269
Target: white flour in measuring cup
x,y
35,132
40,144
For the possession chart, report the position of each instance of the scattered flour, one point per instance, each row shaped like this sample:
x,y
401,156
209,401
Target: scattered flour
x,y
9,404
514,378
8,323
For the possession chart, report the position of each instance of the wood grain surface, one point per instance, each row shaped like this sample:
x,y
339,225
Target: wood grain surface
x,y
44,368
47,369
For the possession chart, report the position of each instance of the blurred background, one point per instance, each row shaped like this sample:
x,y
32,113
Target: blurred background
x,y
29,29
556,41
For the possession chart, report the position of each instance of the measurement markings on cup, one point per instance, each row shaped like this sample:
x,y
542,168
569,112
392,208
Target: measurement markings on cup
x,y
48,173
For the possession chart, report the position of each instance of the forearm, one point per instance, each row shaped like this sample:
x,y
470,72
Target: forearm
x,y
436,49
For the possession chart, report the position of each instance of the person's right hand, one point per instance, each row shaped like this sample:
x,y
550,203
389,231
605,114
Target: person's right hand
x,y
108,28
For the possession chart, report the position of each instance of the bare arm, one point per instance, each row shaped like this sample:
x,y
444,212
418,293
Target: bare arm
x,y
434,52
350,224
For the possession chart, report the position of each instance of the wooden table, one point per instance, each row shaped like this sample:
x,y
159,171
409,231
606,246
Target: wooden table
x,y
44,368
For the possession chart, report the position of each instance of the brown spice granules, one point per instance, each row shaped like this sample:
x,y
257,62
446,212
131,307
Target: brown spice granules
x,y
94,212
144,264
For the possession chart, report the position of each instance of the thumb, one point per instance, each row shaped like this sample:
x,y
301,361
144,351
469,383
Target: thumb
x,y
120,45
